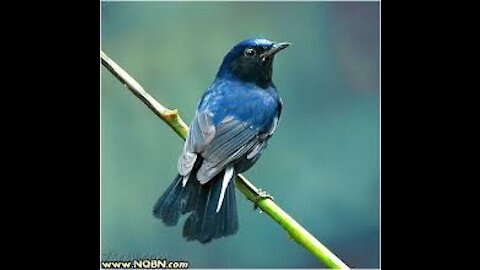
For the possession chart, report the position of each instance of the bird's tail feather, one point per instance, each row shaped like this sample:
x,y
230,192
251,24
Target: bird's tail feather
x,y
173,202
205,223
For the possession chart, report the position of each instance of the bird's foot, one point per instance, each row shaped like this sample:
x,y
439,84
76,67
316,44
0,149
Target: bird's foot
x,y
262,195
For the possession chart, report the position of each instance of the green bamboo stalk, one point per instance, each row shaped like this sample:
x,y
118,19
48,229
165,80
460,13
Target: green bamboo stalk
x,y
252,193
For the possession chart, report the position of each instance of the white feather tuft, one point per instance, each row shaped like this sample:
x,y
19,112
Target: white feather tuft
x,y
185,179
226,179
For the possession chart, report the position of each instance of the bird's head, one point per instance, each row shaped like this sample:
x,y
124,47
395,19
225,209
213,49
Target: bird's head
x,y
251,61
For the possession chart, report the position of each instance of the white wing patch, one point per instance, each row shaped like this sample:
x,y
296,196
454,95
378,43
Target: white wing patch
x,y
186,162
274,126
255,151
226,179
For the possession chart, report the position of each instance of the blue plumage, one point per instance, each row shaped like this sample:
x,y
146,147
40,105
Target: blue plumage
x,y
234,120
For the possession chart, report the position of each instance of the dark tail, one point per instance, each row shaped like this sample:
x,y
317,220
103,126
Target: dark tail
x,y
204,224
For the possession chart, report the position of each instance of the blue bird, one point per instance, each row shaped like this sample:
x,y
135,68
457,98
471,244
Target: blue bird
x,y
234,120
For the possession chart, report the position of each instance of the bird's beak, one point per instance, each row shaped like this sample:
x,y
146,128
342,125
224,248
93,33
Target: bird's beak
x,y
275,49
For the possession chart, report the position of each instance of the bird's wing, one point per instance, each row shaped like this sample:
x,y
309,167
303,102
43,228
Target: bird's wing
x,y
218,146
233,139
201,133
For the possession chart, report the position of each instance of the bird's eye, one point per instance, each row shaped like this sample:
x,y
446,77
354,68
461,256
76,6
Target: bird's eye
x,y
250,52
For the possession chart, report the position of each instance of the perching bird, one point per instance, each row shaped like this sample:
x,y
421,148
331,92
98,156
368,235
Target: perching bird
x,y
234,120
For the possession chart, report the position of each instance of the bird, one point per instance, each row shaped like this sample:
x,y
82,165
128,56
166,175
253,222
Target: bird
x,y
235,118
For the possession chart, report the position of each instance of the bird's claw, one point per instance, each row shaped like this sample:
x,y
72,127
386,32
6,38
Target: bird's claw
x,y
262,195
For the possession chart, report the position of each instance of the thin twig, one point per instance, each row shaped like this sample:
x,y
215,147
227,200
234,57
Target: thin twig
x,y
172,118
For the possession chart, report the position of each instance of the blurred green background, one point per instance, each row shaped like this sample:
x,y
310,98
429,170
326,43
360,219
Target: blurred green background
x,y
321,166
